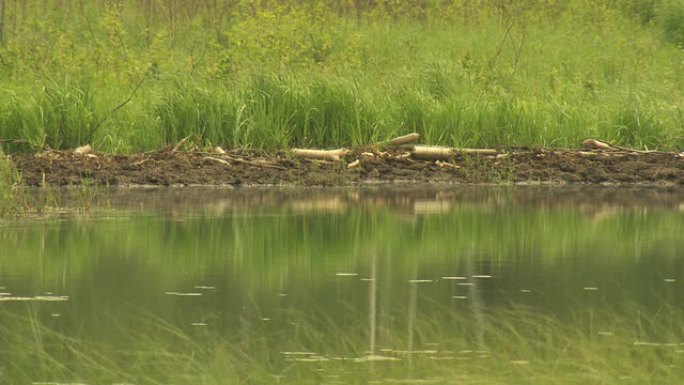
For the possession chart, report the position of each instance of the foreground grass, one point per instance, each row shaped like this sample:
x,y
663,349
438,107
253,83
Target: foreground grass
x,y
127,76
503,347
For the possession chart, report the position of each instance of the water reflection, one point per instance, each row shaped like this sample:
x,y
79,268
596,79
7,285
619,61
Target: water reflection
x,y
315,286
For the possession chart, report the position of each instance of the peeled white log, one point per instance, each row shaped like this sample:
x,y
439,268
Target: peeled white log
x,y
440,152
593,144
432,152
333,155
405,139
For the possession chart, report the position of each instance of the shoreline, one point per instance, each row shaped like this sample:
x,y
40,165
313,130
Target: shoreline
x,y
359,167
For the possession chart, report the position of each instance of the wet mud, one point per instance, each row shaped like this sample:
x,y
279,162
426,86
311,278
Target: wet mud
x,y
397,166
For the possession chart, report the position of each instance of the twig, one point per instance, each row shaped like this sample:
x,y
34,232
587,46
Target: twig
x,y
217,160
260,163
493,62
120,106
180,144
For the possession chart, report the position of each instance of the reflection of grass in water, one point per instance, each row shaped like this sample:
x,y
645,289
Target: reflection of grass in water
x,y
512,346
296,242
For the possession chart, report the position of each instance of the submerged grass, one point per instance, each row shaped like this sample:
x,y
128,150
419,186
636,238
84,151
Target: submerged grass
x,y
133,75
446,347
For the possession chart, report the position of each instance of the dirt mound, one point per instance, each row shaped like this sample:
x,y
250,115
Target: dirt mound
x,y
251,167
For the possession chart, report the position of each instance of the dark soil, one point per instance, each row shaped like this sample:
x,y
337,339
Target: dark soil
x,y
250,167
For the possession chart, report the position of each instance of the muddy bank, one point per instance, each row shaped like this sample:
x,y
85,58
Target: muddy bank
x,y
255,168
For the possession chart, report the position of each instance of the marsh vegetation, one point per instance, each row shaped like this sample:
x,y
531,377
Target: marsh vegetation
x,y
134,75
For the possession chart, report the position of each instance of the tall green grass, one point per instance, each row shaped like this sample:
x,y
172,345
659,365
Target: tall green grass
x,y
317,73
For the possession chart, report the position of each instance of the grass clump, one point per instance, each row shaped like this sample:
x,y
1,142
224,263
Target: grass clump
x,y
9,200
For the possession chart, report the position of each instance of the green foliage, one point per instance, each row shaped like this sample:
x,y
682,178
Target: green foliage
x,y
328,73
8,186
671,19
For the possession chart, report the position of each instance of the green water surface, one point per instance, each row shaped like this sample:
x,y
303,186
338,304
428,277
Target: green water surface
x,y
369,286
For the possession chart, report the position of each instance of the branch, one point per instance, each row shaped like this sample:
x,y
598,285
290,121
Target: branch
x,y
120,106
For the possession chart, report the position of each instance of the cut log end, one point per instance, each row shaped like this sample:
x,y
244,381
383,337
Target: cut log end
x,y
83,150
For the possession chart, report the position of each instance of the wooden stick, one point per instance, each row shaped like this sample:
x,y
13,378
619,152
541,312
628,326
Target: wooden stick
x,y
439,152
593,144
180,144
475,151
401,140
334,155
256,163
218,160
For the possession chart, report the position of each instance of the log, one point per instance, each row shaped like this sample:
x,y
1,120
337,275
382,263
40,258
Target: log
x,y
432,152
334,155
593,144
440,152
401,140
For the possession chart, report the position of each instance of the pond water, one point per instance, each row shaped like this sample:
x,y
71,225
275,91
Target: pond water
x,y
350,286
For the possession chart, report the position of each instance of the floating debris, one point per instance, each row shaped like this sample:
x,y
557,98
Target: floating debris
x,y
346,274
265,319
38,298
372,358
644,343
419,280
670,280
55,315
429,351
465,284
201,287
590,288
459,297
308,359
282,294
199,324
482,276
59,383
3,294
520,362
190,294
367,279
526,291
454,278
607,334
298,353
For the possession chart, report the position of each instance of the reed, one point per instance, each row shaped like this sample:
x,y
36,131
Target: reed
x,y
134,75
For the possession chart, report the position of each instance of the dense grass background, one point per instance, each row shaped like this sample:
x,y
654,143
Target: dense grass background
x,y
137,74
